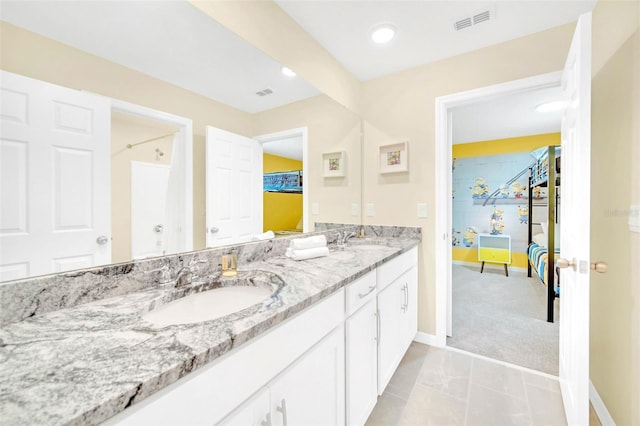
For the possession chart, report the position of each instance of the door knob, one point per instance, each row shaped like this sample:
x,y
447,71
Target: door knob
x,y
102,240
213,230
601,267
564,263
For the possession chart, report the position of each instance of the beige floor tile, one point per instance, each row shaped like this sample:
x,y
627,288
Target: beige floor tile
x,y
408,371
446,371
491,408
593,417
387,411
427,407
546,407
498,377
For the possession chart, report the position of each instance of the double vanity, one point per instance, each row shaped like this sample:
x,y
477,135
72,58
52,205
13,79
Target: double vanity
x,y
283,342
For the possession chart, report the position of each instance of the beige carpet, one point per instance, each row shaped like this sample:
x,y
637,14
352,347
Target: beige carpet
x,y
504,318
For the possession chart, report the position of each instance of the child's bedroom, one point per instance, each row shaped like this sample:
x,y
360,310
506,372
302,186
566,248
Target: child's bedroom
x,y
506,209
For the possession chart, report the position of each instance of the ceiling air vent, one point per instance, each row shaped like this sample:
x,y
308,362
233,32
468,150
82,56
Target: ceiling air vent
x,y
264,92
481,17
462,24
475,19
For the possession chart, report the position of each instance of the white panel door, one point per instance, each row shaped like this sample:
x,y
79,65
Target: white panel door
x,y
149,184
55,149
234,188
575,219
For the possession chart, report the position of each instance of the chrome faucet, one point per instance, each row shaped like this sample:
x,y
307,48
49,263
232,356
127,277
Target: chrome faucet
x,y
343,237
187,274
165,274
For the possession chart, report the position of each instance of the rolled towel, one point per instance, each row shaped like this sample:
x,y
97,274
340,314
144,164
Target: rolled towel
x,y
264,236
308,253
308,243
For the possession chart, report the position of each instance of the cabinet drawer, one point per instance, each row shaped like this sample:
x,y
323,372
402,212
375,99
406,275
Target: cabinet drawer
x,y
494,255
391,270
360,291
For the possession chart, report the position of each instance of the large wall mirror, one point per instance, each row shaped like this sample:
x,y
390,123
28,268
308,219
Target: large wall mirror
x,y
168,81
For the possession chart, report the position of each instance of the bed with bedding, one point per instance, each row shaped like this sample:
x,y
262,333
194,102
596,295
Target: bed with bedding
x,y
538,255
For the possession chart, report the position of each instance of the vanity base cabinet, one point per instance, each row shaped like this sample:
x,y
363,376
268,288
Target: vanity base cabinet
x,y
209,394
309,392
398,313
362,363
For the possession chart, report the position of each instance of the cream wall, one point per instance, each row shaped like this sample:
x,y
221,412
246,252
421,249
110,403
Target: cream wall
x,y
331,127
401,107
615,186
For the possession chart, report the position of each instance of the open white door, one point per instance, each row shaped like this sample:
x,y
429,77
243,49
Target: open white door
x,y
575,220
234,188
55,175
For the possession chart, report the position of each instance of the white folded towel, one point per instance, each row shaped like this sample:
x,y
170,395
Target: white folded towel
x,y
307,253
308,243
264,236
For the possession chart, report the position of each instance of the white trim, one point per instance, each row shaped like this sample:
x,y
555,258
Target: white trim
x,y
302,132
443,105
599,407
427,339
184,137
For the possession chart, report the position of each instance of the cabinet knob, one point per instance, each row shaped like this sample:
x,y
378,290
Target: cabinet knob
x,y
102,240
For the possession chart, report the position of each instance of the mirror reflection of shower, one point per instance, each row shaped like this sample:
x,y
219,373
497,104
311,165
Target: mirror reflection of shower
x,y
144,163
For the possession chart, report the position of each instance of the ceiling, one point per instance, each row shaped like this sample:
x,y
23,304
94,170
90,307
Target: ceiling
x,y
175,42
288,148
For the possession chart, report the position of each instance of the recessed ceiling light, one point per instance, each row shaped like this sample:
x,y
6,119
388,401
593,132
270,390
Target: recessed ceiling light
x,y
383,33
288,72
551,106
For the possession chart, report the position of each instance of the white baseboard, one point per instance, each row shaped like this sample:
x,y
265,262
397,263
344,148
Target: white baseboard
x,y
598,405
428,339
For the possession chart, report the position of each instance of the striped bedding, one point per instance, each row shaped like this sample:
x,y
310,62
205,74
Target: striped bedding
x,y
538,260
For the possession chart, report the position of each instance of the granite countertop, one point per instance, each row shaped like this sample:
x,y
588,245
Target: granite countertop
x,y
84,364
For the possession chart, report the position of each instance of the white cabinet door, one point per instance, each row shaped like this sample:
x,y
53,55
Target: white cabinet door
x,y
390,335
311,391
255,412
410,312
361,369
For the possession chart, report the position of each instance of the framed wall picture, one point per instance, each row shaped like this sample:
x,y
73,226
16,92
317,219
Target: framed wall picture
x,y
334,164
394,158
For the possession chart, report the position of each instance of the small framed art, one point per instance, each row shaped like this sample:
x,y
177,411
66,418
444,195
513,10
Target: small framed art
x,y
334,164
394,158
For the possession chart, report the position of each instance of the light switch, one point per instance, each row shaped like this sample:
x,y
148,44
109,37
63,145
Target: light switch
x,y
371,209
634,218
355,209
315,209
422,210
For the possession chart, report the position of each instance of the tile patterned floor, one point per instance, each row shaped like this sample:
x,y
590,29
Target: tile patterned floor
x,y
441,387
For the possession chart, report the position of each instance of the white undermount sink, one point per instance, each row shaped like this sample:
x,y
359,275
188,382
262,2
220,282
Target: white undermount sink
x,y
228,295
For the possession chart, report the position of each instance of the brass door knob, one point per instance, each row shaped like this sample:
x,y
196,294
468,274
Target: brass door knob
x,y
600,267
564,263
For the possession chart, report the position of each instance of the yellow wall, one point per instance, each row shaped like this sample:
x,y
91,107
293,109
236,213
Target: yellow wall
x,y
496,147
615,185
281,211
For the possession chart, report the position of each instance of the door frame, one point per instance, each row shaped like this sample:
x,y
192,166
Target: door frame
x,y
291,133
184,140
443,183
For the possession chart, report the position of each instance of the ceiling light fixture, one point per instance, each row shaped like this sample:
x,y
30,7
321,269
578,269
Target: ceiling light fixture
x,y
552,106
383,33
288,72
